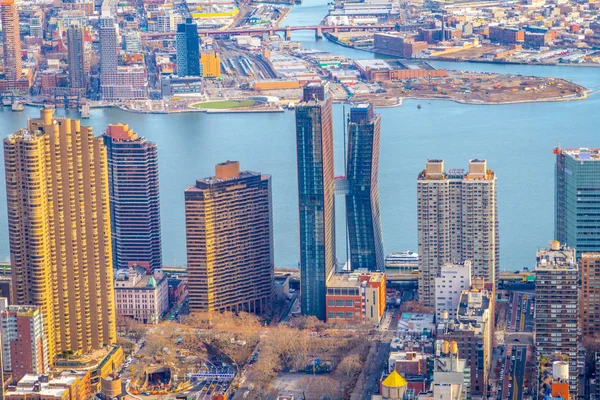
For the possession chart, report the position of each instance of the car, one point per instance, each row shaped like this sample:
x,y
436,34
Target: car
x,y
516,340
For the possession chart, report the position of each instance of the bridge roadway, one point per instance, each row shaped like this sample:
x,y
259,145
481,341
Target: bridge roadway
x,y
318,29
395,278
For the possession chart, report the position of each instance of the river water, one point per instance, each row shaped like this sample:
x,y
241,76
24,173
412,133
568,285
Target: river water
x,y
516,139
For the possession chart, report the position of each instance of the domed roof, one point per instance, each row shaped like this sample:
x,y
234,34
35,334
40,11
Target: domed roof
x,y
151,283
394,380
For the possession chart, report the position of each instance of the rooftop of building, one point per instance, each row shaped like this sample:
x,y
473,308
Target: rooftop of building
x,y
434,171
24,310
473,303
557,257
224,172
43,386
122,133
354,279
581,153
137,278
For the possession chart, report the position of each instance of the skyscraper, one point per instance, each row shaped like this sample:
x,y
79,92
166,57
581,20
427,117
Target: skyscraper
x,y
229,236
556,307
59,231
24,345
188,49
77,61
11,42
314,142
577,185
457,222
590,294
108,54
362,200
134,198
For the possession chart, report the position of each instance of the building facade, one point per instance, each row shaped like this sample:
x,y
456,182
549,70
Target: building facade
x,y
358,297
577,182
362,200
472,330
108,53
59,231
316,197
449,285
229,236
457,221
134,198
24,345
11,40
557,307
77,57
188,49
140,296
590,294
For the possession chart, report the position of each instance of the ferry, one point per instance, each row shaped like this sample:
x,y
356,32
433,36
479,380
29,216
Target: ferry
x,y
6,102
18,106
406,262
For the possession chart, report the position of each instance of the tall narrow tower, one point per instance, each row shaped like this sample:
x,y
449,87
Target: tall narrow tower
x,y
77,61
11,43
108,55
229,235
59,231
362,200
134,198
314,141
457,222
188,49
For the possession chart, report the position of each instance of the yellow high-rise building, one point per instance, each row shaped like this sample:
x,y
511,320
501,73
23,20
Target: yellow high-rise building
x,y
59,231
211,65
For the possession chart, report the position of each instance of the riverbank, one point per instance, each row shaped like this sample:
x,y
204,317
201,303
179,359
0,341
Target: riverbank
x,y
335,39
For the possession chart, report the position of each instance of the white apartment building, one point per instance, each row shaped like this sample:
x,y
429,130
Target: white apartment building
x,y
453,279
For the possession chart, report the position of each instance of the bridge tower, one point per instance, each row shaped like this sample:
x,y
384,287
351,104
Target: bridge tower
x,y
288,33
318,33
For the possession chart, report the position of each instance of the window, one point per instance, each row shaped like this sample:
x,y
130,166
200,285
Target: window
x,y
330,303
349,315
339,303
349,303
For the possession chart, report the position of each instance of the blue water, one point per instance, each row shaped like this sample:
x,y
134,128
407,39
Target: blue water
x,y
517,140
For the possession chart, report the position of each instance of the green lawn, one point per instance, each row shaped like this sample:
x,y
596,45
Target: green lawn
x,y
224,104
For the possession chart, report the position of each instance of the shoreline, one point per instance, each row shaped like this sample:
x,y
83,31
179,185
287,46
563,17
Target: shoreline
x,y
333,40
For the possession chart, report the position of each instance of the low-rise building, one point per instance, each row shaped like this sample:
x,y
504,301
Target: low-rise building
x,y
140,296
357,297
69,385
174,85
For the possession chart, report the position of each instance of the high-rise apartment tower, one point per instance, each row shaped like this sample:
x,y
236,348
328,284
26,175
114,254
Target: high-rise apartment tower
x,y
314,142
577,184
229,236
134,198
589,265
188,49
556,308
108,54
362,200
457,222
11,41
59,231
77,57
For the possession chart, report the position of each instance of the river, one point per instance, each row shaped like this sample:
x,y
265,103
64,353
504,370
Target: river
x,y
517,141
